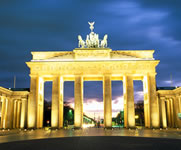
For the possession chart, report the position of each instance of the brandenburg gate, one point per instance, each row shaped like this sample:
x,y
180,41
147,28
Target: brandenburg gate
x,y
92,61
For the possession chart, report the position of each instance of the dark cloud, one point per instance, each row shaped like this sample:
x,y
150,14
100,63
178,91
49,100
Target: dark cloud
x,y
54,25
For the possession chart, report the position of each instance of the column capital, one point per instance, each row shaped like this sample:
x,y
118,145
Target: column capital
x,y
23,99
2,97
162,97
107,74
33,75
149,74
128,74
56,76
78,75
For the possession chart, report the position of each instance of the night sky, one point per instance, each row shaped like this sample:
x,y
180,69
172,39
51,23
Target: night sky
x,y
53,25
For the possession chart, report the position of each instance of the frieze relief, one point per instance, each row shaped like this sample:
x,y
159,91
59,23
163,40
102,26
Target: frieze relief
x,y
92,67
91,54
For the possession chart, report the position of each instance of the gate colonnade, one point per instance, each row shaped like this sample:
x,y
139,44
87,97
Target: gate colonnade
x,y
92,64
170,106
13,108
21,108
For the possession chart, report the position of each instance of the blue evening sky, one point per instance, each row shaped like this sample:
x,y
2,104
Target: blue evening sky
x,y
53,25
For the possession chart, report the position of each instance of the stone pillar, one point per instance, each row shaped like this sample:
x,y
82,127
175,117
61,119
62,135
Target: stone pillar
x,y
179,111
107,98
18,114
57,103
154,106
174,112
15,113
10,114
40,101
3,111
146,89
78,108
0,111
171,112
129,110
35,103
5,123
32,104
168,112
23,113
163,116
177,107
61,107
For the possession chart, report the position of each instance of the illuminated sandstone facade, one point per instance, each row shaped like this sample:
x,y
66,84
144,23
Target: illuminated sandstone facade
x,y
13,108
92,64
170,107
21,109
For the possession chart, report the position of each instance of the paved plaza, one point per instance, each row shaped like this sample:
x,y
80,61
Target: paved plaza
x,y
91,138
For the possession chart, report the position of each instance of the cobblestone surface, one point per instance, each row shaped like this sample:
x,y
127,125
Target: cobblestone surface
x,y
17,135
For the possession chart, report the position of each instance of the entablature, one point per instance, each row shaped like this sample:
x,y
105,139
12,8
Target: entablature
x,y
96,67
92,54
13,94
90,77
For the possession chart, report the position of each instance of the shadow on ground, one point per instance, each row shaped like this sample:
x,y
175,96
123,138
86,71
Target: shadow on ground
x,y
95,143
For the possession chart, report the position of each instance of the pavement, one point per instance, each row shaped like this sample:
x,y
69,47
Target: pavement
x,y
91,138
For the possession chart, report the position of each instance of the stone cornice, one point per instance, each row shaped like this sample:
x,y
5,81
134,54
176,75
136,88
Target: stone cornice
x,y
93,54
5,91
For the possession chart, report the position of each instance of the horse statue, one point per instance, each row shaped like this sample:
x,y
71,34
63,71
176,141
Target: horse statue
x,y
81,42
104,41
97,40
87,41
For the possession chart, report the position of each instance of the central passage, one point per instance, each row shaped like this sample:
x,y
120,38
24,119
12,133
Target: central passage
x,y
93,106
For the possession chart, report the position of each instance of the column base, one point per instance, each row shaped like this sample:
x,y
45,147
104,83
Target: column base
x,y
156,128
108,128
31,128
77,128
130,127
54,128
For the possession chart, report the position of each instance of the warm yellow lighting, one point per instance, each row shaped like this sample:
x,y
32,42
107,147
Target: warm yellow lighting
x,y
88,125
136,116
87,64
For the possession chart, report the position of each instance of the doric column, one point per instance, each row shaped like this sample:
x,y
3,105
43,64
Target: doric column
x,y
154,106
146,89
107,98
18,114
163,116
129,110
179,111
6,114
171,112
10,113
180,104
78,108
176,108
174,112
61,100
32,104
57,103
168,112
23,113
35,103
15,113
0,111
3,112
40,102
